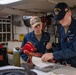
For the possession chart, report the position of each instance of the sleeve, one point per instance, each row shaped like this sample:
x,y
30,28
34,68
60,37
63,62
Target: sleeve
x,y
24,41
24,56
66,53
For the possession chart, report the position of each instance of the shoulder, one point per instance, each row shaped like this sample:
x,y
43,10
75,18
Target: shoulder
x,y
29,34
73,26
74,21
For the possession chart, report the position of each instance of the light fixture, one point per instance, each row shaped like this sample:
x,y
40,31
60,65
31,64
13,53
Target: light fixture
x,y
53,1
8,1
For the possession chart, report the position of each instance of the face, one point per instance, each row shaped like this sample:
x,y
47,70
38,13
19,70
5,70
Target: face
x,y
66,20
37,29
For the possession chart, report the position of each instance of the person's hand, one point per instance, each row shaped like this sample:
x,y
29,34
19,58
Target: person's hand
x,y
49,46
47,56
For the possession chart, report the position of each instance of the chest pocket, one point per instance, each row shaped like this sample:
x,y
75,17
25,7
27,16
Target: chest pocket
x,y
70,38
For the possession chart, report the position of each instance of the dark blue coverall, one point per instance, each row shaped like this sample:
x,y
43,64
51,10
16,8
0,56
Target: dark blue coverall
x,y
67,48
40,45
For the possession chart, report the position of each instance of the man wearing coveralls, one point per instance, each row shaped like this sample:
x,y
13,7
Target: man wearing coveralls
x,y
66,51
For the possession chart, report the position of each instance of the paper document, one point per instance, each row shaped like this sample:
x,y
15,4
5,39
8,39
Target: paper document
x,y
39,63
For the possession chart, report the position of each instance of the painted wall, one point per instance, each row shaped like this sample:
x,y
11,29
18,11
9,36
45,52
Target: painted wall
x,y
19,29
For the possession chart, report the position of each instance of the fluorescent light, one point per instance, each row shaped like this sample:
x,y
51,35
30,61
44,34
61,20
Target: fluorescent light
x,y
8,1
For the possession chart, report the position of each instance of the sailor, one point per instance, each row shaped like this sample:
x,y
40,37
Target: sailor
x,y
66,51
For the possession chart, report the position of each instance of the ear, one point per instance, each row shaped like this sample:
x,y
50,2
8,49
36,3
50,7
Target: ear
x,y
69,13
32,28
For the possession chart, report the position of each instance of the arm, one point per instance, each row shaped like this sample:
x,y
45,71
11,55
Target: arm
x,y
24,41
61,54
66,53
23,56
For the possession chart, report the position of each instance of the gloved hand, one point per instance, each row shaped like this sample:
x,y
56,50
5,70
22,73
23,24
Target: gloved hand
x,y
29,46
30,50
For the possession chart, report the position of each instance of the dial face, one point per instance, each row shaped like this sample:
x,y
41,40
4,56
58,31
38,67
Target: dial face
x,y
13,73
17,72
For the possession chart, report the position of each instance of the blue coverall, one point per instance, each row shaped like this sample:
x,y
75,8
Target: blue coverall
x,y
67,48
40,45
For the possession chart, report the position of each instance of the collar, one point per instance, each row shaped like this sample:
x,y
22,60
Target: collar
x,y
73,24
34,34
